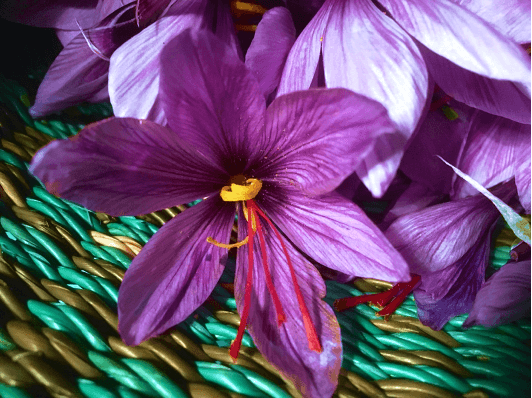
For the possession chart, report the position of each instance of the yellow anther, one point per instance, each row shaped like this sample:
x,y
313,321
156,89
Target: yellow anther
x,y
237,192
225,246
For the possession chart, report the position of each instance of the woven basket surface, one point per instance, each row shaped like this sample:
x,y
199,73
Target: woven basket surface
x,y
61,266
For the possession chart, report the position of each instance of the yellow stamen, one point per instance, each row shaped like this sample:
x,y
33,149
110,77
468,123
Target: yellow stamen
x,y
225,246
237,192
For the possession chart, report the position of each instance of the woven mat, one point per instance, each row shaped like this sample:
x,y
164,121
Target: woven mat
x,y
61,266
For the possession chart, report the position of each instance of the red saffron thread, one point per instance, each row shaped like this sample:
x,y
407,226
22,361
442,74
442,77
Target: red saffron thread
x,y
237,343
312,336
281,317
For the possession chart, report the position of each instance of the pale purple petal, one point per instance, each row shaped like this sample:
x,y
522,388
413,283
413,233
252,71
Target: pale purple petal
x,y
336,233
491,152
451,291
149,10
211,99
134,67
224,27
416,197
510,17
266,56
175,272
437,135
504,298
76,75
314,139
66,36
303,58
468,58
522,180
433,238
126,167
314,374
365,51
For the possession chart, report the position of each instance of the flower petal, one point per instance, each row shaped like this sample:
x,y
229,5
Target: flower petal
x,y
316,138
336,233
286,347
433,238
451,291
522,180
504,298
437,135
149,10
303,58
175,272
365,51
125,167
266,56
76,75
211,99
134,67
509,17
468,58
491,152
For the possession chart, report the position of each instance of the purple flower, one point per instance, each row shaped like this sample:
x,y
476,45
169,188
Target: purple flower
x,y
448,246
387,50
275,166
504,298
82,70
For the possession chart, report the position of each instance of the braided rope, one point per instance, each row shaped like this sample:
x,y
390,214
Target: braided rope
x,y
60,269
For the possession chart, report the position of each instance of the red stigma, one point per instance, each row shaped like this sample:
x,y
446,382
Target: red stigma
x,y
390,299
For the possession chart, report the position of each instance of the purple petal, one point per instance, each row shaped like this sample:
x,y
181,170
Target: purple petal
x,y
125,167
76,75
211,99
509,17
315,138
522,180
175,272
433,238
416,197
504,298
468,59
134,68
491,152
451,291
148,11
437,135
66,36
80,71
336,233
303,58
269,49
365,51
314,374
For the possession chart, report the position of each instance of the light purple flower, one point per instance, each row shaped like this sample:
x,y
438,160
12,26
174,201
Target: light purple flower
x,y
504,298
386,53
448,246
222,138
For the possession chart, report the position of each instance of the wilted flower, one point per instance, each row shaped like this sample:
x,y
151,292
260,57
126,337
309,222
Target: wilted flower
x,y
276,167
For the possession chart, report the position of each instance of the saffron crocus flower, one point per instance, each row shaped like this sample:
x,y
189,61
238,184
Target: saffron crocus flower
x,y
448,246
275,166
385,50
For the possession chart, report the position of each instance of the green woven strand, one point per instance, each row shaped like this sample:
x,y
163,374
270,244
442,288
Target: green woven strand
x,y
123,230
12,392
9,158
119,257
360,365
92,390
428,344
44,265
98,252
223,331
453,382
54,319
413,373
13,249
120,373
156,379
228,378
47,210
6,344
263,384
86,281
51,247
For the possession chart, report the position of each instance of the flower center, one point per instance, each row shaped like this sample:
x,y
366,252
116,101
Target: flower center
x,y
244,190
